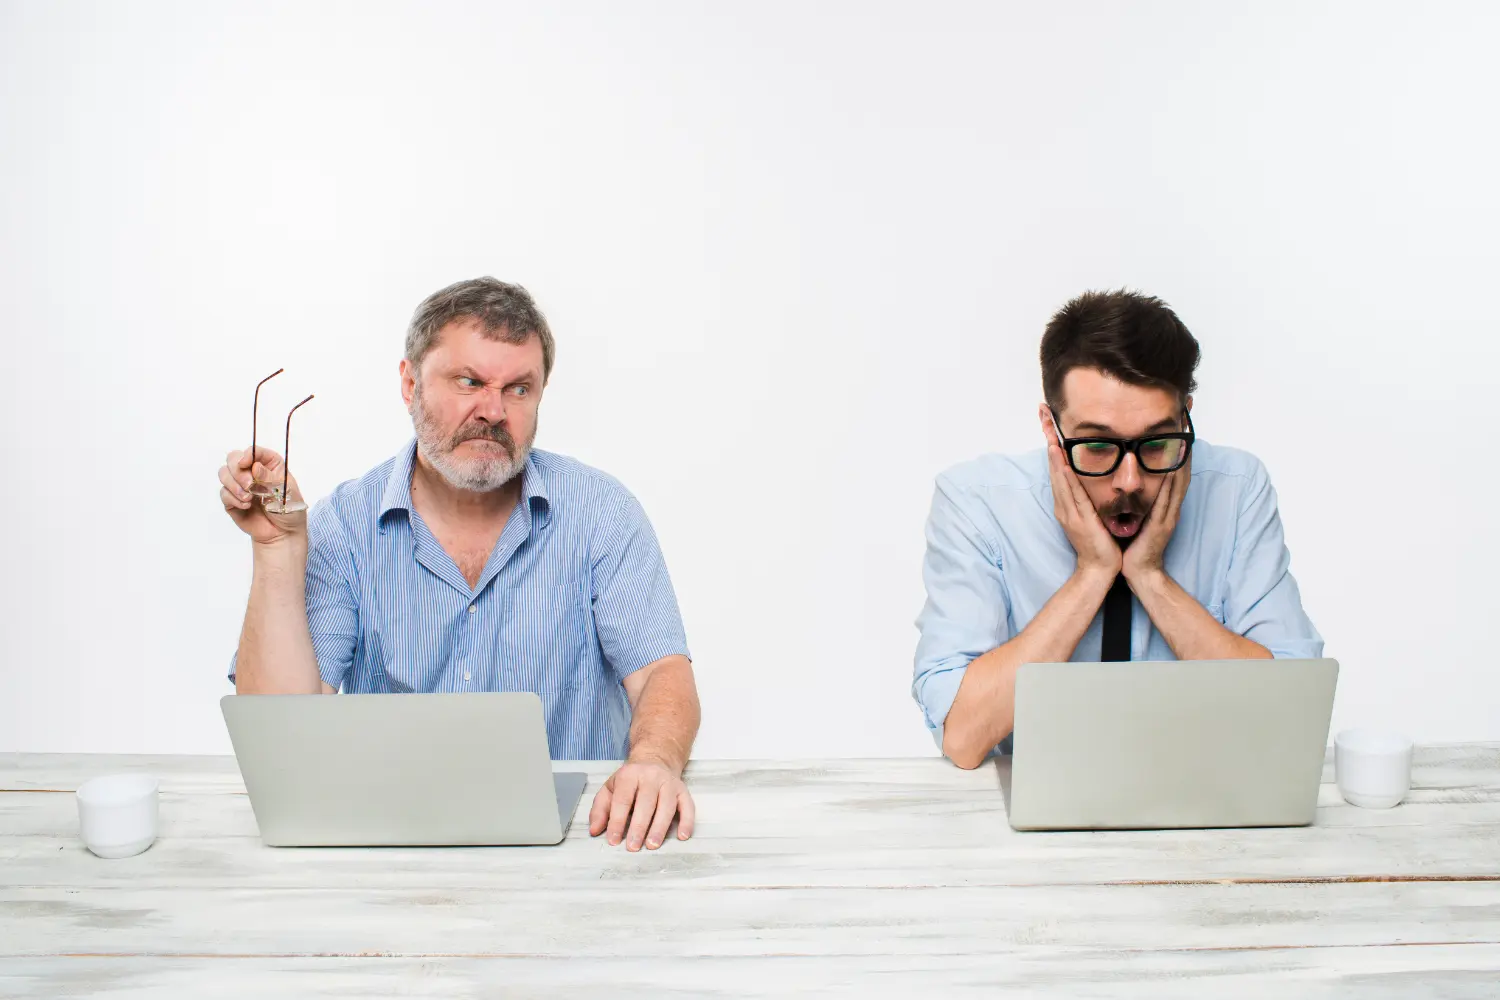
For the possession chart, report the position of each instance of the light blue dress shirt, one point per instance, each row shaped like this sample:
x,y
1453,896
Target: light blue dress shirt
x,y
574,599
996,553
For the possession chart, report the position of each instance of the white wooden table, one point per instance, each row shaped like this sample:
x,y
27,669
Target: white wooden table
x,y
891,877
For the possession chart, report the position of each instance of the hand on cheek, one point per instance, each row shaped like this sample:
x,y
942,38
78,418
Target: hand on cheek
x,y
1095,547
1146,554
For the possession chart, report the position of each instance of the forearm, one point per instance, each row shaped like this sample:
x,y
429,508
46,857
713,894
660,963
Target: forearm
x,y
276,653
983,714
664,720
1187,626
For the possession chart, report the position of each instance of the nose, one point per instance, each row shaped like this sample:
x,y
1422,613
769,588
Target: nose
x,y
1127,478
490,406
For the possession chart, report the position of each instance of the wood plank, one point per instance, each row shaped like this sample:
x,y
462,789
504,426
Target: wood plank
x,y
667,921
826,859
25,772
1372,973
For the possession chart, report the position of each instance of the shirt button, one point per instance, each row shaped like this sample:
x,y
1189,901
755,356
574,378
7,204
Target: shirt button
x,y
472,609
466,675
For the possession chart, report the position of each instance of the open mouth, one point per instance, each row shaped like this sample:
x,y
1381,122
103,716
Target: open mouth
x,y
1124,524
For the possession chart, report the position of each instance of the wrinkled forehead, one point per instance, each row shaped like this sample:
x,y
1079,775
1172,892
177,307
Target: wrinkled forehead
x,y
465,346
1097,403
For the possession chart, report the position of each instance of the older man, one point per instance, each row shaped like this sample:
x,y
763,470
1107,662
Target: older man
x,y
471,562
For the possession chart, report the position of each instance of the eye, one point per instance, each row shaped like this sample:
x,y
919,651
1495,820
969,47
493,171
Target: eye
x,y
521,389
467,382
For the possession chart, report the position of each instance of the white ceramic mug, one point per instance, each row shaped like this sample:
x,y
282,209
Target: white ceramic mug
x,y
117,815
1372,768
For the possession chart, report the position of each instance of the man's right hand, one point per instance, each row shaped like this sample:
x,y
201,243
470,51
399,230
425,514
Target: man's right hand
x,y
1096,548
247,511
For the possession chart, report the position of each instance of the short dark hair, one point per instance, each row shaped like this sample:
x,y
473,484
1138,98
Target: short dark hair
x,y
1132,337
507,312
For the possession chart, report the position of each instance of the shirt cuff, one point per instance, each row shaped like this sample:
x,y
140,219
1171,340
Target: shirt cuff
x,y
643,656
936,692
1294,650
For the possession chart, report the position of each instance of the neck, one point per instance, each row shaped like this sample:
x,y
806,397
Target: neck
x,y
442,497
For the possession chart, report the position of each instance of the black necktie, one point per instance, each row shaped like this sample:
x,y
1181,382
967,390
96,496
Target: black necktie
x,y
1117,621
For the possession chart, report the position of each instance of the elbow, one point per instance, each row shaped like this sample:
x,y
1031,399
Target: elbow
x,y
962,753
967,763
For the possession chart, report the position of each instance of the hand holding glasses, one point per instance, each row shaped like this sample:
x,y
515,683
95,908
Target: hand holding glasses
x,y
274,497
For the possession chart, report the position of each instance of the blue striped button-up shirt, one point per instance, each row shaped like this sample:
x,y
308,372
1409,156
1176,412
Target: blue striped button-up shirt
x,y
575,598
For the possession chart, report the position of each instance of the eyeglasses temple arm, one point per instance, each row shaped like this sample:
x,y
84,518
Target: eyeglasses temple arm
x,y
255,413
286,459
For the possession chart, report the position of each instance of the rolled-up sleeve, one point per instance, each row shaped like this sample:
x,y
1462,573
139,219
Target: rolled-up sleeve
x,y
635,609
332,608
966,614
1262,602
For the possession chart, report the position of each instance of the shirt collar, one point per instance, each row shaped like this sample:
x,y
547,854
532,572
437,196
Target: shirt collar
x,y
397,495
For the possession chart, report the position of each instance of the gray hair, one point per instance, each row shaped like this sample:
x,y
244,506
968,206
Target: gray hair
x,y
506,312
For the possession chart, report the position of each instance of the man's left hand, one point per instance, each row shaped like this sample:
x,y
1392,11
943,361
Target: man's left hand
x,y
637,804
1143,557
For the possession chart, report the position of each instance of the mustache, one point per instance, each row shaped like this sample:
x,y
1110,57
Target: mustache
x,y
1126,503
484,432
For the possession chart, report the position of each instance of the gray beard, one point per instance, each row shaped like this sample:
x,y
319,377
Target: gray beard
x,y
479,475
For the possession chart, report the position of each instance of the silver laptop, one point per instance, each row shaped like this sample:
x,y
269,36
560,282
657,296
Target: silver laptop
x,y
1170,745
400,769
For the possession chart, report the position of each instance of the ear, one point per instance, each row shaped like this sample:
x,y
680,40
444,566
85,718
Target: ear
x,y
1188,404
1051,433
409,376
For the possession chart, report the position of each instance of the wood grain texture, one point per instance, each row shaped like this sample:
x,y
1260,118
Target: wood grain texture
x,y
605,922
822,860
889,877
1453,972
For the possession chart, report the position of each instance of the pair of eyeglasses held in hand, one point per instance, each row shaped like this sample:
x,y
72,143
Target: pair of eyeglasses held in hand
x,y
274,498
1101,456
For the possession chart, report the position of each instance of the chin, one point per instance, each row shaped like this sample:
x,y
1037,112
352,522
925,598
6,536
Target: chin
x,y
486,476
478,475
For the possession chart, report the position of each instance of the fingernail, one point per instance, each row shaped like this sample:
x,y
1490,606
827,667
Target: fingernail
x,y
635,845
653,844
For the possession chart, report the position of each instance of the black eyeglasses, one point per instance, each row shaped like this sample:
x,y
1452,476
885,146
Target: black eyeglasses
x,y
1101,456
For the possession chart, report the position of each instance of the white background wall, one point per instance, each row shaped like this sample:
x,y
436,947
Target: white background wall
x,y
798,258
